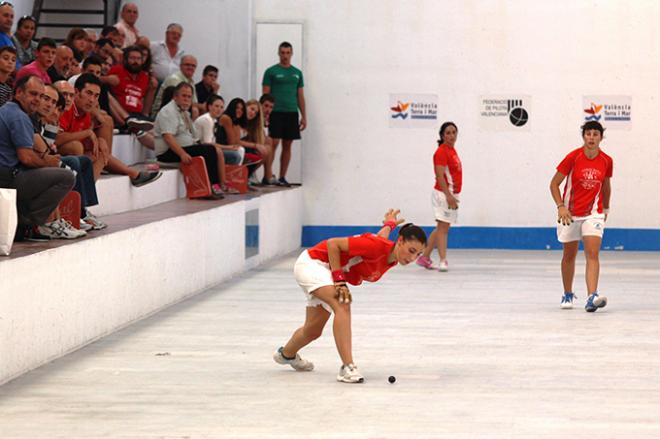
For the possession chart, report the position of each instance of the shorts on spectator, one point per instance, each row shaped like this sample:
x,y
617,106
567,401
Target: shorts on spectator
x,y
312,274
441,209
579,228
284,125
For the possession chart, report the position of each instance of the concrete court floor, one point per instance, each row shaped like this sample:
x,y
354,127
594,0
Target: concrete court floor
x,y
480,352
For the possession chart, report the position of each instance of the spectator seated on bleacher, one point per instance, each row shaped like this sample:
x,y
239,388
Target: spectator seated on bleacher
x,y
78,136
175,138
76,40
208,85
41,183
185,74
117,38
205,127
166,55
45,58
90,41
45,127
25,46
105,49
7,66
61,68
255,140
267,102
129,15
6,23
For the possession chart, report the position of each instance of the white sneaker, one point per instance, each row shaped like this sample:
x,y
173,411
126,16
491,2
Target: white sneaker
x,y
84,225
93,221
444,266
297,363
349,374
61,229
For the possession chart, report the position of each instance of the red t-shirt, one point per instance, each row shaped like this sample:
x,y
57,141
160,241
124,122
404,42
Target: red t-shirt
x,y
366,258
72,121
447,156
584,181
131,88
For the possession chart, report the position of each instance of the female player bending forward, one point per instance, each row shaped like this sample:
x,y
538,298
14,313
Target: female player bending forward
x,y
323,273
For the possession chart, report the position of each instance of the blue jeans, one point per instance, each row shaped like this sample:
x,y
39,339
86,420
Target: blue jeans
x,y
232,157
85,185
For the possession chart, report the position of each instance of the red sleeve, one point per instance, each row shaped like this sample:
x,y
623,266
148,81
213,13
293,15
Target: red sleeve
x,y
440,158
366,245
115,70
567,164
610,168
65,121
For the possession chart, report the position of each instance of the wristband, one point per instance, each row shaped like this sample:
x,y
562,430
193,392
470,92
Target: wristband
x,y
338,276
391,224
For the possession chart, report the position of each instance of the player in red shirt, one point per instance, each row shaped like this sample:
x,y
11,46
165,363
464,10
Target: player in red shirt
x,y
582,211
324,272
448,184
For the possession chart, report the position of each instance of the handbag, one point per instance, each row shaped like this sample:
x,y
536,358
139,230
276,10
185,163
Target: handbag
x,y
8,219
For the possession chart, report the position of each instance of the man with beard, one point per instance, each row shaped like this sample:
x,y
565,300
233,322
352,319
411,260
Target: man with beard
x,y
129,82
61,68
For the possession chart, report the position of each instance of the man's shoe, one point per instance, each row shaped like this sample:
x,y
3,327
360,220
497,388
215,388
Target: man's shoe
x,y
282,182
33,235
145,178
134,123
567,300
594,302
93,221
297,363
349,374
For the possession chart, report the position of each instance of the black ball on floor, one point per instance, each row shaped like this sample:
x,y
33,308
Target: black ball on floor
x,y
391,379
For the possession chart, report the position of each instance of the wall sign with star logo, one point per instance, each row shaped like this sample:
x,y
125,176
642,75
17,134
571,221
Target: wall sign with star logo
x,y
413,111
612,111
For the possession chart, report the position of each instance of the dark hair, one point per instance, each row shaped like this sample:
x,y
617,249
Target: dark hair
x,y
181,85
168,94
103,41
130,49
86,78
25,18
443,127
410,231
212,98
21,84
231,112
285,44
92,60
107,30
592,125
208,69
46,42
10,49
146,59
266,97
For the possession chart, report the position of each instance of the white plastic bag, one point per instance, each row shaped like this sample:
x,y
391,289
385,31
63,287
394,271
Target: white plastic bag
x,y
8,219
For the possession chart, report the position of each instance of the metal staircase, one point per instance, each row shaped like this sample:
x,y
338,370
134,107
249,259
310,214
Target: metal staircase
x,y
56,17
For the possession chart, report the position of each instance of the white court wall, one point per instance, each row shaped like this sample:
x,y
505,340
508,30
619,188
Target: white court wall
x,y
357,52
217,32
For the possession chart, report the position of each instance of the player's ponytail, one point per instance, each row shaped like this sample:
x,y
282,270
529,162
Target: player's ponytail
x,y
410,231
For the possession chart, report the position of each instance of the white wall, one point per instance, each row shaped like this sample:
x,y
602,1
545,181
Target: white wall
x,y
357,52
217,32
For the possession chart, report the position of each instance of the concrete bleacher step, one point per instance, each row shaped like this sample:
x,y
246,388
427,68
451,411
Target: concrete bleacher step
x,y
58,296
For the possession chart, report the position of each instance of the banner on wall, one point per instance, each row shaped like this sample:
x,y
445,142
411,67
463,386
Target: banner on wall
x,y
505,112
413,110
613,111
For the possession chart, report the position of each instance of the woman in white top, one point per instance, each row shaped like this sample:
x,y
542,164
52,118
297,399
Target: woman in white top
x,y
205,126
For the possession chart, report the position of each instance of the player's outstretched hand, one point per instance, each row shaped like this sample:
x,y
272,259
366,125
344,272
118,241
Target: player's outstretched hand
x,y
391,215
342,293
564,216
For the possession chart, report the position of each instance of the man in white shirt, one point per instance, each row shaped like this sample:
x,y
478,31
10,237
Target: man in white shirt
x,y
166,55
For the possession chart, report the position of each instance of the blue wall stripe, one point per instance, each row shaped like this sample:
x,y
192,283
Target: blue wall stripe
x,y
513,238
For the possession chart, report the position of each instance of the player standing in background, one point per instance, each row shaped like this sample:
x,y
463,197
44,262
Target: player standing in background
x,y
448,184
582,211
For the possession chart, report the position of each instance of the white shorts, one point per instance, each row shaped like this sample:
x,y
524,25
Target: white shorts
x,y
579,228
312,274
441,209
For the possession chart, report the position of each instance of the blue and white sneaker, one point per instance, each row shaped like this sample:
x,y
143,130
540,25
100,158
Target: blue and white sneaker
x,y
567,300
594,302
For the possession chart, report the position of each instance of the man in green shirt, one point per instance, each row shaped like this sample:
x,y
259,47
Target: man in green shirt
x,y
285,83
